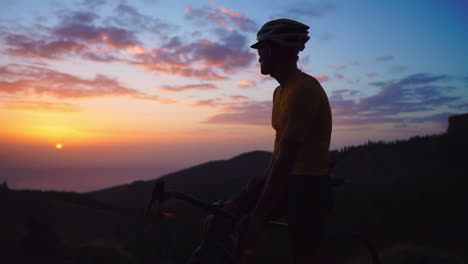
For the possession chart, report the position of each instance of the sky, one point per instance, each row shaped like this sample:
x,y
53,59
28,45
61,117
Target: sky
x,y
171,84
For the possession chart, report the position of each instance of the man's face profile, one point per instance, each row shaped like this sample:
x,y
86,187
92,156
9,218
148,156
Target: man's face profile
x,y
264,58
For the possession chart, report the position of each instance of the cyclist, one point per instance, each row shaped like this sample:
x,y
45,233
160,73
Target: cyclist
x,y
297,181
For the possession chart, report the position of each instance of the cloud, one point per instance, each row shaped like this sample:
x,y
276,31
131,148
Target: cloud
x,y
239,97
130,18
112,37
23,46
181,88
230,54
245,84
322,78
93,4
39,106
115,39
23,79
339,76
76,34
384,58
418,93
244,113
200,59
372,74
338,94
307,9
207,103
163,64
76,17
209,15
398,69
462,106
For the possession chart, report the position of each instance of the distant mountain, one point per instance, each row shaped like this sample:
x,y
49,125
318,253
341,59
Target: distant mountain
x,y
364,167
212,181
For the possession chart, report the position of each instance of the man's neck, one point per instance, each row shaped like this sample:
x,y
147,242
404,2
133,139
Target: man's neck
x,y
284,73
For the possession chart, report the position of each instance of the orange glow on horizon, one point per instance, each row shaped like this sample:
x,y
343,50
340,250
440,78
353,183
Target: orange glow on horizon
x,y
58,146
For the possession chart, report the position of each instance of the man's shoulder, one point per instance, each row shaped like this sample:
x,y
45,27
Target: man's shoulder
x,y
309,80
307,85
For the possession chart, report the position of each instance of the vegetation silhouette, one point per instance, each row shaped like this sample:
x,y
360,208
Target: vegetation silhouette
x,y
409,196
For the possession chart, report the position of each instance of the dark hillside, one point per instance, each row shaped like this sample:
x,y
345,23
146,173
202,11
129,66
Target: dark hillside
x,y
408,196
212,180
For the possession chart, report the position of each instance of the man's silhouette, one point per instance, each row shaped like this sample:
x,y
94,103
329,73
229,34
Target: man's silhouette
x,y
297,182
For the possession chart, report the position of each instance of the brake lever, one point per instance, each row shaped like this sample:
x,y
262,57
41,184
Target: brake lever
x,y
160,197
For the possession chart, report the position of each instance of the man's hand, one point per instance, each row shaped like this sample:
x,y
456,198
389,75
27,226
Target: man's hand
x,y
255,181
260,178
252,235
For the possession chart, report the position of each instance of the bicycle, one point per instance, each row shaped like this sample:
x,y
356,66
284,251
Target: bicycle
x,y
338,247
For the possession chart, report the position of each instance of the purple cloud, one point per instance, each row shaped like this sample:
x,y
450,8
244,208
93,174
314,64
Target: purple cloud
x,y
23,46
131,19
181,88
110,36
23,79
244,113
77,17
210,15
112,39
229,54
415,93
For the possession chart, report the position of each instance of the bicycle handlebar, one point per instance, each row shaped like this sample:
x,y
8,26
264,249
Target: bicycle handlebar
x,y
159,196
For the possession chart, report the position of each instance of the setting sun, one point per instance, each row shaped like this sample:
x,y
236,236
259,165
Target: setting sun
x,y
58,146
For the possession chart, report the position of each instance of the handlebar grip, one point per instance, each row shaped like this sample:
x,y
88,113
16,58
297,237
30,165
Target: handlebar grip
x,y
247,252
159,196
161,210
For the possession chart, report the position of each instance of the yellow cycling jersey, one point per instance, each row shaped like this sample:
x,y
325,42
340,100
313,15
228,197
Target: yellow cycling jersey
x,y
301,112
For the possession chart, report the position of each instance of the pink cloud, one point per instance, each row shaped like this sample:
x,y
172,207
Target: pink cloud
x,y
245,84
79,34
113,37
23,46
208,103
239,97
22,79
220,16
39,106
181,88
372,74
322,78
226,55
245,113
199,59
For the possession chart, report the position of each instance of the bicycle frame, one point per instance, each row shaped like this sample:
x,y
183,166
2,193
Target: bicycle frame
x,y
159,195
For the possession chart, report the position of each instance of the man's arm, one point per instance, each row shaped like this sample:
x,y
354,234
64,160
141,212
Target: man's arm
x,y
260,179
277,177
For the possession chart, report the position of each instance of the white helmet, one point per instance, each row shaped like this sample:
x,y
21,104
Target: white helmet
x,y
284,32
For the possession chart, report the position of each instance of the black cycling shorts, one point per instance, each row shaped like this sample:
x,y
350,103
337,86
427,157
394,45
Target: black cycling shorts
x,y
307,203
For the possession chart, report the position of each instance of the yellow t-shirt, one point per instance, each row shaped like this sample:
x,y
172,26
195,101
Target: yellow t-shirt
x,y
301,112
